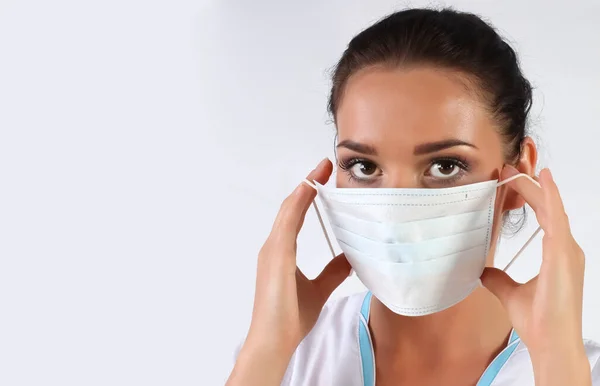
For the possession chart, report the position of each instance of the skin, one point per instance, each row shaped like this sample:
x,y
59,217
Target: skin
x,y
387,121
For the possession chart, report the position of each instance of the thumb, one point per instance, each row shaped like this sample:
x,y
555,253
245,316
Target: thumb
x,y
332,276
499,283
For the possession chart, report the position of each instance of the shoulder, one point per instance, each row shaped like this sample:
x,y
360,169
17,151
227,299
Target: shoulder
x,y
518,367
339,318
330,353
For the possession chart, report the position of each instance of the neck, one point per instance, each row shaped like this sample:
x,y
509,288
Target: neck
x,y
478,326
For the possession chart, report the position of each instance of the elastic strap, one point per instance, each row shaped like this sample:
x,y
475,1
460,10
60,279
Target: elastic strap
x,y
536,231
522,248
506,181
310,184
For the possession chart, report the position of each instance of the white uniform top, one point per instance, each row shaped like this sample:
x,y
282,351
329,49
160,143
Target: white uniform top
x,y
338,351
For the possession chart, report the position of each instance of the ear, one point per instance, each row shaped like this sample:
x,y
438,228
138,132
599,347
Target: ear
x,y
525,164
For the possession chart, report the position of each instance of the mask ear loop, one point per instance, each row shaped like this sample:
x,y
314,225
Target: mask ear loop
x,y
538,228
314,204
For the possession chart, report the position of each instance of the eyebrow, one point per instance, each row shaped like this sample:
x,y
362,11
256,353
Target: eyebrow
x,y
425,148
433,147
358,147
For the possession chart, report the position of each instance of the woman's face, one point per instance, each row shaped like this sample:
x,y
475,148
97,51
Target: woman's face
x,y
420,128
414,128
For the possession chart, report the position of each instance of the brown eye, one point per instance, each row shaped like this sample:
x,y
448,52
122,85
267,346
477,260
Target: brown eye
x,y
444,169
363,170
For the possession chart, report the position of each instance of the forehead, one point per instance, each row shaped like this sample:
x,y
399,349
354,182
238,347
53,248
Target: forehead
x,y
390,106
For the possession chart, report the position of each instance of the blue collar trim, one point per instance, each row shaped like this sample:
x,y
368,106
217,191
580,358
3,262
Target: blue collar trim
x,y
368,359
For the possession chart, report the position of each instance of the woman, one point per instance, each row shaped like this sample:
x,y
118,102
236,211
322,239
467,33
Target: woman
x,y
435,100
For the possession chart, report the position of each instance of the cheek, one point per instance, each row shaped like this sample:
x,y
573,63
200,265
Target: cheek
x,y
341,179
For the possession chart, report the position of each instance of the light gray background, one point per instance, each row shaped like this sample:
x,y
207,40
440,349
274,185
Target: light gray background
x,y
145,147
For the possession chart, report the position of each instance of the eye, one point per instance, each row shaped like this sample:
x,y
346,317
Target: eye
x,y
363,170
444,169
360,169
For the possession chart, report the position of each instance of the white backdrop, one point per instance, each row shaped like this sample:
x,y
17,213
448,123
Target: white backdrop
x,y
145,147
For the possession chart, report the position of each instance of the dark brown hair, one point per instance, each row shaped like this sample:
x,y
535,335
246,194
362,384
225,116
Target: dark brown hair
x,y
447,39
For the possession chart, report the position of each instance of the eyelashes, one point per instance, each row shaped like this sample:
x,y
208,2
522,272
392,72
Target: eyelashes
x,y
447,170
346,164
355,166
458,161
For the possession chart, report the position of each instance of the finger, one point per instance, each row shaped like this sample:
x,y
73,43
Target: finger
x,y
319,175
531,193
291,214
556,208
547,181
332,276
499,283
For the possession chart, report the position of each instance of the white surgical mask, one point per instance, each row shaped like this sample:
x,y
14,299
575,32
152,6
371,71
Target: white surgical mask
x,y
419,251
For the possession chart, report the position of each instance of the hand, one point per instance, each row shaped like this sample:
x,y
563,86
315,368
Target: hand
x,y
286,303
546,311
